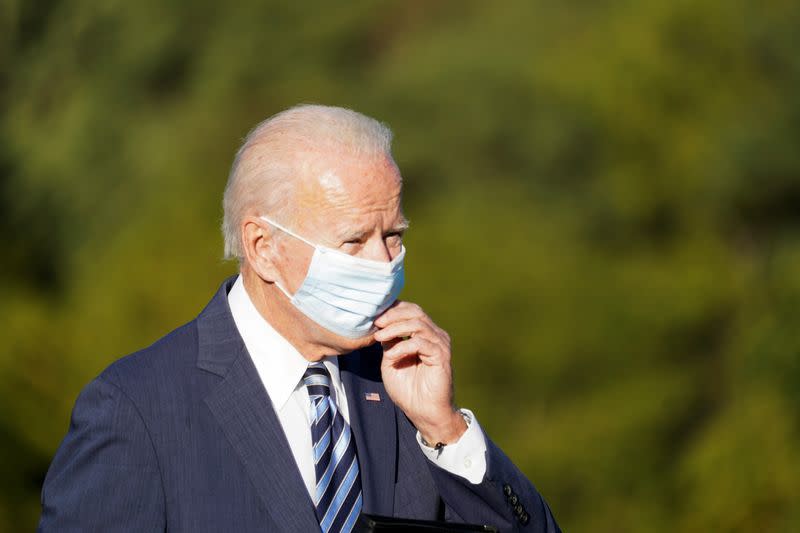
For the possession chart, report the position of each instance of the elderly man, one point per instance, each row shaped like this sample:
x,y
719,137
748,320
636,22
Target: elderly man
x,y
305,393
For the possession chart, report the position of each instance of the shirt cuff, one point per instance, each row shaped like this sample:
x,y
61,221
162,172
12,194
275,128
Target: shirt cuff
x,y
466,457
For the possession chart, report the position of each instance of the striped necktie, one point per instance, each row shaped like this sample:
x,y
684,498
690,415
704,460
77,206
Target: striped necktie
x,y
337,495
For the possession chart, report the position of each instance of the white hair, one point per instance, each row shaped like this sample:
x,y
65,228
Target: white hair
x,y
264,173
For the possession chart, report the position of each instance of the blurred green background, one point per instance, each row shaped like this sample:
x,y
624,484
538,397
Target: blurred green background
x,y
605,207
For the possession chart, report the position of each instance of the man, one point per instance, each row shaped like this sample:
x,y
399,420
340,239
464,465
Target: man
x,y
304,393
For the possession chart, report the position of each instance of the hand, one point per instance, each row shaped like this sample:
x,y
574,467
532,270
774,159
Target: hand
x,y
417,373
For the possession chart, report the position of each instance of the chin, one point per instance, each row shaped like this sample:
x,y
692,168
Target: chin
x,y
345,345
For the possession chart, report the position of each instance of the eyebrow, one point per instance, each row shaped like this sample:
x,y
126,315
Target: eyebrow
x,y
400,227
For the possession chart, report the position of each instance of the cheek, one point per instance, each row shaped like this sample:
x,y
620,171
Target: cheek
x,y
293,263
395,245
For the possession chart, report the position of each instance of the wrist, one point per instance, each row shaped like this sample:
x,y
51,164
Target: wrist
x,y
446,432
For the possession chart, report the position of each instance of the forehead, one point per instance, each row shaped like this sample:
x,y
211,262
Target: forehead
x,y
344,193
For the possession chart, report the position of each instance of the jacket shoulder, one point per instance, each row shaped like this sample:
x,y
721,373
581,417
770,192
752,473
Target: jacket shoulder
x,y
169,357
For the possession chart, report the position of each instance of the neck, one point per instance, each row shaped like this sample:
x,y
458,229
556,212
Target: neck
x,y
288,321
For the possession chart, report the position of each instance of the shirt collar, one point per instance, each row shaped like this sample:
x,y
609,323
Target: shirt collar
x,y
279,364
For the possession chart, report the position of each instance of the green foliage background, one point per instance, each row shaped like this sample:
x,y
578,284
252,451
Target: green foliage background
x,y
604,200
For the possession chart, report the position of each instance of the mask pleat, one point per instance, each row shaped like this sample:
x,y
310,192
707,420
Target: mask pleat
x,y
344,293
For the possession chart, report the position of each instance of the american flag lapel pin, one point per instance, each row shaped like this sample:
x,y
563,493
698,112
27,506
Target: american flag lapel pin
x,y
372,397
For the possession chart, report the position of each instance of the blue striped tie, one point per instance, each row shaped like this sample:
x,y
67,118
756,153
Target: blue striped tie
x,y
337,495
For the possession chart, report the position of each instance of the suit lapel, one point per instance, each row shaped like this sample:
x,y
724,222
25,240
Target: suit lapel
x,y
243,409
241,406
373,422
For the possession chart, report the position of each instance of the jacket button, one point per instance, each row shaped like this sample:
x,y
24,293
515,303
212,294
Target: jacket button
x,y
513,500
523,518
518,510
507,490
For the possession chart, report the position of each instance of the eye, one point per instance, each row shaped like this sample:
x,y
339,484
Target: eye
x,y
352,244
394,237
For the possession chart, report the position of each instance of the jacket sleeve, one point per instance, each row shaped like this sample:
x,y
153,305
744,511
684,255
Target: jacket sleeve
x,y
104,476
504,499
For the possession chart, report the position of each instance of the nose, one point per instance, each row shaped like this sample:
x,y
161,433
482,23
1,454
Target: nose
x,y
376,249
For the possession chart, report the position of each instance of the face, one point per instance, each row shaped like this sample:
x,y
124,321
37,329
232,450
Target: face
x,y
353,206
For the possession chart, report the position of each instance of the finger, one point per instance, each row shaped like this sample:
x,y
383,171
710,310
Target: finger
x,y
399,311
427,351
404,328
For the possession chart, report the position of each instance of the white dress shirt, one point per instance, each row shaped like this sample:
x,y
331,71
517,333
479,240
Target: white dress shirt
x,y
281,368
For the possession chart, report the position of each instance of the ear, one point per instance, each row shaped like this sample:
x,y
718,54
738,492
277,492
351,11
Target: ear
x,y
259,247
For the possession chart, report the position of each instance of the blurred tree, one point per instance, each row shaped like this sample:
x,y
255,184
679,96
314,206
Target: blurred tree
x,y
604,216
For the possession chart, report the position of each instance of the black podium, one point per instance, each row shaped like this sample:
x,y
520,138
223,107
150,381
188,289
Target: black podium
x,y
368,523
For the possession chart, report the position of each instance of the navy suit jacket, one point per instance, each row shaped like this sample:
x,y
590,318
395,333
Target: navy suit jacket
x,y
182,436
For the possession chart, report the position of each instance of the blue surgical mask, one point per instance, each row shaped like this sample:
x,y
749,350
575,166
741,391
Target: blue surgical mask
x,y
344,293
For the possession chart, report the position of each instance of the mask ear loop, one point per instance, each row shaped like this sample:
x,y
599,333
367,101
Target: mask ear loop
x,y
296,236
287,230
284,291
